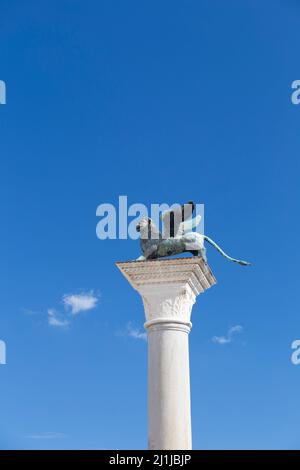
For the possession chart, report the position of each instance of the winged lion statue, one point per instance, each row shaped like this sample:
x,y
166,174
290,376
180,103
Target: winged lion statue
x,y
177,237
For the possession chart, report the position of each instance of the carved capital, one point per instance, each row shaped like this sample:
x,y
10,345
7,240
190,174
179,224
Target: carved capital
x,y
167,302
168,287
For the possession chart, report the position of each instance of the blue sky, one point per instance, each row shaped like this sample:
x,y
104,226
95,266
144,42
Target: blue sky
x,y
162,102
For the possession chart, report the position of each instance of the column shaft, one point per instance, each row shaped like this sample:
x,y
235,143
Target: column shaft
x,y
169,416
168,288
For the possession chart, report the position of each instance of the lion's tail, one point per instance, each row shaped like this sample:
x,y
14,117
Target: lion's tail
x,y
211,242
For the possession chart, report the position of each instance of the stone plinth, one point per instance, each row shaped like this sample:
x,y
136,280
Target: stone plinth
x,y
168,288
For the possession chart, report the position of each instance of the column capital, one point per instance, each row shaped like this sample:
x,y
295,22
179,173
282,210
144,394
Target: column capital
x,y
168,288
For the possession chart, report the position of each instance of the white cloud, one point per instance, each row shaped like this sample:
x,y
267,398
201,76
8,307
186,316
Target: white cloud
x,y
229,337
135,332
221,339
73,304
54,320
80,302
47,435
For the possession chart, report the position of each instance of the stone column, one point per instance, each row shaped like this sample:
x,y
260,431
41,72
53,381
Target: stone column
x,y
168,289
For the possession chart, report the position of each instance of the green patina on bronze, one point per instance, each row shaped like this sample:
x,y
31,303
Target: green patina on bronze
x,y
183,240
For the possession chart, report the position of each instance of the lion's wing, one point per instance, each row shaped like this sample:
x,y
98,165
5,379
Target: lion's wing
x,y
188,225
178,220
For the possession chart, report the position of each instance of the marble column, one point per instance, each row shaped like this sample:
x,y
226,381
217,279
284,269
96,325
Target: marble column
x,y
168,288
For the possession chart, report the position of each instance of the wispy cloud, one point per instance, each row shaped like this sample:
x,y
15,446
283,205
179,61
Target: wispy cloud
x,y
54,320
73,304
228,338
135,332
80,302
47,435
